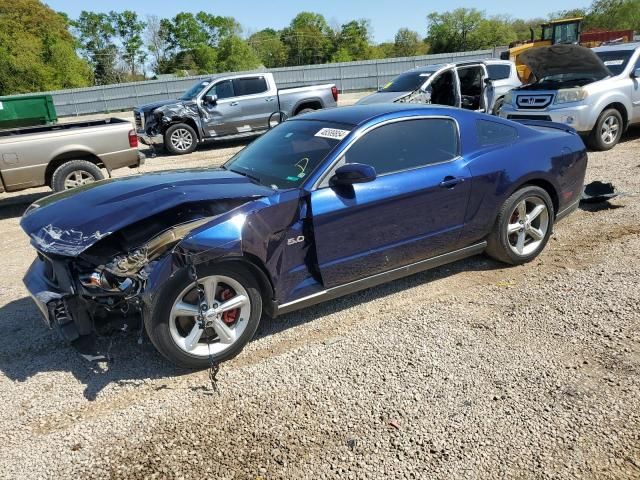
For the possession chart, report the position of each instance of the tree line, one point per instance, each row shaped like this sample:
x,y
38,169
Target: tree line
x,y
41,49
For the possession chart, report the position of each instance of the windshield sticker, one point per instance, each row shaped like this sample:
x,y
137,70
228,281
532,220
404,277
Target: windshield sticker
x,y
387,85
333,133
609,63
292,179
425,74
204,84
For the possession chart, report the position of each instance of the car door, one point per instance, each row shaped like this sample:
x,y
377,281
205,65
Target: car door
x,y
413,210
257,104
222,117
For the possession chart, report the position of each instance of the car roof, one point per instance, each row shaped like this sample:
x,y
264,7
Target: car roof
x,y
437,66
358,114
617,47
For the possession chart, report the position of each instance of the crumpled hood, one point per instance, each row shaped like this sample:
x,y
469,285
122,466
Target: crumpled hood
x,y
148,107
568,59
69,222
382,97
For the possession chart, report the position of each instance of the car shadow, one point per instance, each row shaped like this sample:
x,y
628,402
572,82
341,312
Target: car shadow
x,y
28,347
160,152
15,206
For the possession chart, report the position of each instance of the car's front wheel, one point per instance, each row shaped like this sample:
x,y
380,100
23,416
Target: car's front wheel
x,y
230,303
523,227
180,139
607,131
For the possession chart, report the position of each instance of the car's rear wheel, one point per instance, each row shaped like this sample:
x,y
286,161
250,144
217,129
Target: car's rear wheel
x,y
523,227
231,307
75,173
607,131
180,139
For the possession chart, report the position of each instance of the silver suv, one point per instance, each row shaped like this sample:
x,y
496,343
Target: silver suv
x,y
596,91
475,85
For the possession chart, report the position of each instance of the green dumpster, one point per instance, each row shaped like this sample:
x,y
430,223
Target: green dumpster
x,y
16,112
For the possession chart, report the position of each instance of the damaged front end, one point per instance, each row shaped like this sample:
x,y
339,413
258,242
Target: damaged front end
x,y
102,289
160,118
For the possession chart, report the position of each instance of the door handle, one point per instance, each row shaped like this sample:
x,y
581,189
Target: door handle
x,y
269,99
450,182
233,104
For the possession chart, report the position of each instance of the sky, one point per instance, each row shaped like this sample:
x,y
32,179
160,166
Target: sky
x,y
386,16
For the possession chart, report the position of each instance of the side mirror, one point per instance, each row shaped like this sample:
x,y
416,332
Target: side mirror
x,y
211,99
636,73
488,81
352,173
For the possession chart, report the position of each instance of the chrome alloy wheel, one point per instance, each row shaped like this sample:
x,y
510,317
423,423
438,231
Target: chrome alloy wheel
x,y
528,225
226,311
181,139
77,178
610,129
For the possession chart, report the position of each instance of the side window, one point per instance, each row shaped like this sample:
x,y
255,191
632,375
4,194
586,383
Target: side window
x,y
494,133
222,89
249,86
499,72
406,144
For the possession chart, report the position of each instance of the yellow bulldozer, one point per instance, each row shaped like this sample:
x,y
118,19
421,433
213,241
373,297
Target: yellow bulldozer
x,y
554,32
566,30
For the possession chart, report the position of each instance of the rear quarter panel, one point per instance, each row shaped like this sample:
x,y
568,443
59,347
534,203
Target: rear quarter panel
x,y
545,156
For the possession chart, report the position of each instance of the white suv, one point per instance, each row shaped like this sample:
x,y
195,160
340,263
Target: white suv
x,y
596,91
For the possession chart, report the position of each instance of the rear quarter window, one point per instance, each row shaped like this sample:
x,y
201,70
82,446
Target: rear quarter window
x,y
499,72
494,133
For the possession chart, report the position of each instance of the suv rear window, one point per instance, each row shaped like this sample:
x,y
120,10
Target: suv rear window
x,y
249,86
499,72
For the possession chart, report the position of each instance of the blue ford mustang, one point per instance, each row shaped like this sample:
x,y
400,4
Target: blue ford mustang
x,y
322,205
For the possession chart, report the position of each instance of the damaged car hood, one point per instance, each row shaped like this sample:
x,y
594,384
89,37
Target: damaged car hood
x,y
382,97
563,59
70,222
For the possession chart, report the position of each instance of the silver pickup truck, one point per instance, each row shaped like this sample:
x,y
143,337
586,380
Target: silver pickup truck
x,y
225,107
67,155
596,91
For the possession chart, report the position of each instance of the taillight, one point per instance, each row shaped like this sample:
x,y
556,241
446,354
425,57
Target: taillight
x,y
133,139
334,92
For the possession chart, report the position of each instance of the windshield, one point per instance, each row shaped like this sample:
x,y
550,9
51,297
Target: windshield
x,y
286,155
195,90
615,61
407,82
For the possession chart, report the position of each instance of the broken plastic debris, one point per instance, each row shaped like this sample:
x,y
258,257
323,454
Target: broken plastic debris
x,y
597,192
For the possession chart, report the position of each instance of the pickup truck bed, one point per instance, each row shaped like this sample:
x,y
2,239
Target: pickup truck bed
x,y
65,155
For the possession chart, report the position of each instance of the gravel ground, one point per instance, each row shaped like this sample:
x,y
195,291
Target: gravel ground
x,y
472,370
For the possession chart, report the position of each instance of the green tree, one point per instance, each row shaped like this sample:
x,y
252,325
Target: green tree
x,y
96,35
614,15
383,50
353,42
522,28
450,31
234,55
37,52
492,32
407,43
308,39
270,49
217,28
129,29
185,32
157,42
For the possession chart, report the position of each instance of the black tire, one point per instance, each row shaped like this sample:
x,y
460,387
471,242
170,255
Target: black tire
x,y
157,322
305,110
61,178
499,244
497,106
183,131
595,139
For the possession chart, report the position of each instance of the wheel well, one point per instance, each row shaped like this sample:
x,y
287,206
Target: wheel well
x,y
547,187
314,104
189,121
623,111
256,267
67,156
